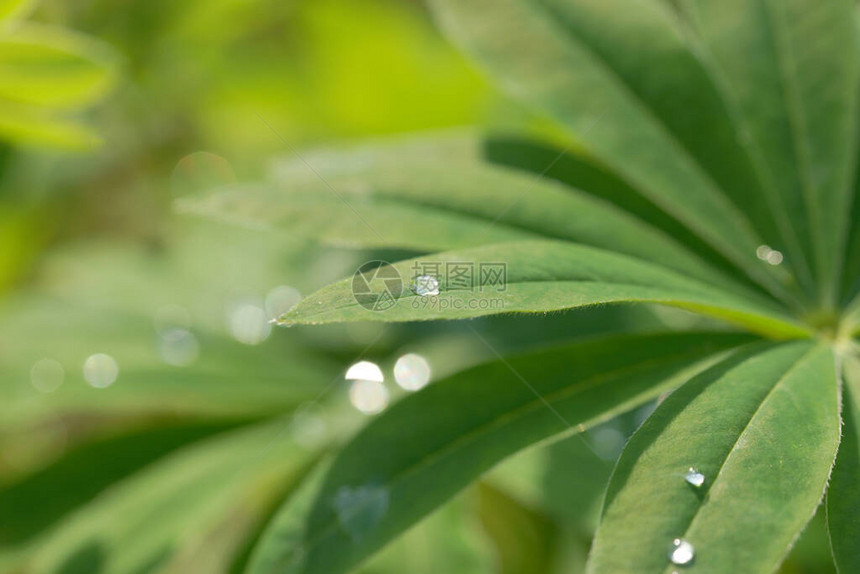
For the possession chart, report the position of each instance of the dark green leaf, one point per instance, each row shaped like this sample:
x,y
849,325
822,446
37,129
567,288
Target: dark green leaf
x,y
843,496
580,171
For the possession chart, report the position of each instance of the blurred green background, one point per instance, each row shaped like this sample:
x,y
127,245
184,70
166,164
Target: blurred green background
x,y
175,454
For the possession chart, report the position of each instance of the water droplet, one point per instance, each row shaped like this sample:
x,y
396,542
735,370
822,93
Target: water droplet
x,y
364,371
281,299
360,509
47,375
769,255
774,257
369,397
412,372
100,370
694,477
425,285
178,347
249,324
682,552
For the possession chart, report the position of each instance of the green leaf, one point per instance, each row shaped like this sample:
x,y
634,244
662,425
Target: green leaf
x,y
540,478
176,505
99,298
446,541
30,126
280,378
790,68
763,428
524,538
37,503
578,170
543,276
843,496
53,68
589,64
405,199
422,451
13,10
851,271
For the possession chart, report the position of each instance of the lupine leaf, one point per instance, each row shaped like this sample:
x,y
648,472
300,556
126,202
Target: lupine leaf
x,y
591,72
435,202
33,503
578,170
763,430
843,496
422,451
53,68
175,504
30,126
790,69
542,276
12,10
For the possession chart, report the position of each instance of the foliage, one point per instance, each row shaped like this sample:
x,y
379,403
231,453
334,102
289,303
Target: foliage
x,y
649,155
45,72
734,122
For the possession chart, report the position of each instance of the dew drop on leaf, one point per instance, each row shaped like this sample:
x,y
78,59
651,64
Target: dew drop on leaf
x,y
694,477
769,255
425,285
682,552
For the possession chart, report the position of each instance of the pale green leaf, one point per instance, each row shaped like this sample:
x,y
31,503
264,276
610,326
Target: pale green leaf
x,y
763,429
216,380
543,276
13,10
87,469
54,68
176,505
29,126
423,450
402,197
